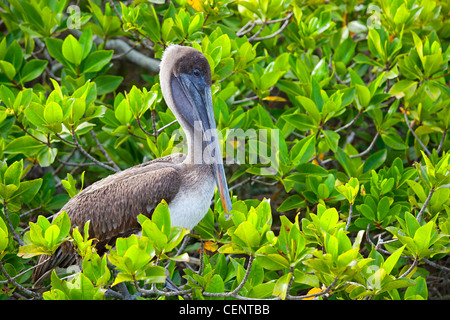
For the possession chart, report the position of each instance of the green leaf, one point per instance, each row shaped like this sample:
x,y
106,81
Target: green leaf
x,y
403,88
329,219
332,139
375,160
300,121
282,285
291,202
14,55
303,150
28,190
86,41
4,238
394,141
155,274
247,236
53,113
310,107
316,95
363,95
32,70
54,47
161,217
392,260
123,113
383,208
269,258
25,144
419,291
107,83
13,174
97,60
423,235
7,69
51,235
72,50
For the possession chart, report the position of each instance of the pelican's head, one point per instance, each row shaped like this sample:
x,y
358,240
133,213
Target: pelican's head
x,y
185,77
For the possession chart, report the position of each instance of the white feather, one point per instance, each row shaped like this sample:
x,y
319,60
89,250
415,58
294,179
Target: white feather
x,y
190,206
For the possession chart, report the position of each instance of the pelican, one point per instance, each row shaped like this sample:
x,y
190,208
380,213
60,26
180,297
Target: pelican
x,y
185,181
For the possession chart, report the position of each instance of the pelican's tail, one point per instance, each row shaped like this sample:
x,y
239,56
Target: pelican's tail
x,y
45,264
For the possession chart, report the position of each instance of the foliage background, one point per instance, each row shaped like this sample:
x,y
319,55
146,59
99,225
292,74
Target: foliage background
x,y
358,89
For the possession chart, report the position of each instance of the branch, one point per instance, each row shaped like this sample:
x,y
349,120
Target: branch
x,y
16,236
349,217
18,286
433,264
350,123
252,24
419,216
324,292
276,32
121,47
78,145
102,150
414,134
441,144
415,263
372,144
234,293
133,56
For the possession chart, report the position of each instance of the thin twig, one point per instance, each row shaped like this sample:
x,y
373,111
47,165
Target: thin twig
x,y
166,126
327,289
15,235
407,272
276,33
246,99
78,145
372,144
249,26
350,123
102,150
155,131
142,128
350,211
441,144
419,216
23,215
65,140
75,164
238,288
18,286
433,264
414,134
258,32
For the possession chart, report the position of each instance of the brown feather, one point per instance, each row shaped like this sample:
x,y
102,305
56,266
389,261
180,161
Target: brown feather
x,y
113,204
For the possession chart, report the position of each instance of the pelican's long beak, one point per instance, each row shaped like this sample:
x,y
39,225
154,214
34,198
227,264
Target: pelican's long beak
x,y
219,171
199,95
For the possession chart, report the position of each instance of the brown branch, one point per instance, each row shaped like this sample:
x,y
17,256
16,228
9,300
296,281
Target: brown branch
x,y
414,134
372,144
324,292
102,150
276,33
18,286
78,145
15,235
419,216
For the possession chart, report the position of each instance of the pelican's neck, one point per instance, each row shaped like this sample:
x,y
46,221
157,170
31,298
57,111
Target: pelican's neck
x,y
195,145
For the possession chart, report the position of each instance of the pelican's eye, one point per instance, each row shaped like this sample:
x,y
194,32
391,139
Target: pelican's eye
x,y
197,73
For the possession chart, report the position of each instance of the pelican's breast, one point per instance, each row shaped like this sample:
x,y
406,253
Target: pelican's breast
x,y
193,199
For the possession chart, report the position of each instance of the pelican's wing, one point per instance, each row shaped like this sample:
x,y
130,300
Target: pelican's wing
x,y
112,206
